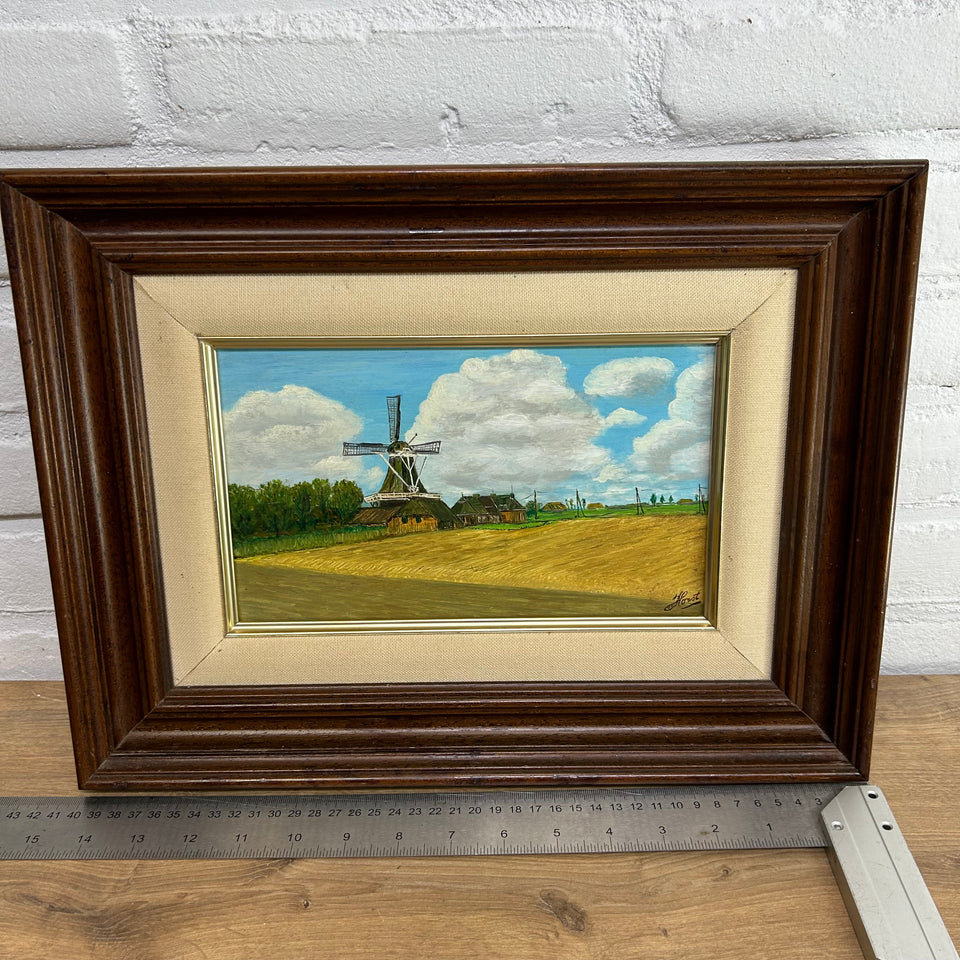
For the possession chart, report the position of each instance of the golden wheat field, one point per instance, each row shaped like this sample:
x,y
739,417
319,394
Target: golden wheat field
x,y
643,557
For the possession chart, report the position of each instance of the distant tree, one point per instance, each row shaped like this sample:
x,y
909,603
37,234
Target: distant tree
x,y
320,501
530,505
302,494
653,499
276,510
243,510
345,500
671,498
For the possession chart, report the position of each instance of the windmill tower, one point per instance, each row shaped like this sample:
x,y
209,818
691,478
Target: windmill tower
x,y
402,481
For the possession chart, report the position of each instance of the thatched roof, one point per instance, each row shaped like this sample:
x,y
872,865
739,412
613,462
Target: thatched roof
x,y
414,507
373,516
492,504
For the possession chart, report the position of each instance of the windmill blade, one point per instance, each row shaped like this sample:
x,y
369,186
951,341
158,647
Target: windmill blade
x,y
393,415
424,449
362,449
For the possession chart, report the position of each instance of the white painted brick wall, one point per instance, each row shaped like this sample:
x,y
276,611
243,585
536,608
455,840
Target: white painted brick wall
x,y
164,82
395,89
12,399
61,88
18,477
768,77
24,576
28,646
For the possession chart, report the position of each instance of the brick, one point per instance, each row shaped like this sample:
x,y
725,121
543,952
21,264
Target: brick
x,y
18,481
792,77
29,648
391,89
18,476
930,451
24,574
940,249
925,560
920,638
61,88
935,352
12,397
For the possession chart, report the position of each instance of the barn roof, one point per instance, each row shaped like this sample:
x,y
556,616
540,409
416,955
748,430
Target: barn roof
x,y
487,503
423,507
415,506
373,516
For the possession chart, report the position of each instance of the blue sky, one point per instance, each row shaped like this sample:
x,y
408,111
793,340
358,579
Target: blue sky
x,y
558,418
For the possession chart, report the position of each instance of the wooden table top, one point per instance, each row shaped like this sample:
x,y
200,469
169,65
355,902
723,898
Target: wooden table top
x,y
735,904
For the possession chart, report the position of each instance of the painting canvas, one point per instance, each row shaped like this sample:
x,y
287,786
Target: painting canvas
x,y
464,482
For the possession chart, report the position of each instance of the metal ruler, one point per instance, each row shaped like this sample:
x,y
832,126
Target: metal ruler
x,y
891,910
413,824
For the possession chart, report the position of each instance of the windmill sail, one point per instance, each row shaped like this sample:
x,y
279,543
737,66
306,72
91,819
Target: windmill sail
x,y
393,416
362,449
425,449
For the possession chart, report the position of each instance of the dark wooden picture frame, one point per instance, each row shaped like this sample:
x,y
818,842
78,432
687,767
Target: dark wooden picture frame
x,y
75,239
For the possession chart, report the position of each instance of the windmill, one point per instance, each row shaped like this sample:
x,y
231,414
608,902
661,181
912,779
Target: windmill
x,y
402,480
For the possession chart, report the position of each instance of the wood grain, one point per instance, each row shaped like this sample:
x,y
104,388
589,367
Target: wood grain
x,y
851,230
781,905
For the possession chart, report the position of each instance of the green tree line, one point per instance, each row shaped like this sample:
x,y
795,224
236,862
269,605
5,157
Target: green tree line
x,y
276,508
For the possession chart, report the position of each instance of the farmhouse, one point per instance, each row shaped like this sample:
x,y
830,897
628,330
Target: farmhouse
x,y
416,515
594,506
554,506
493,508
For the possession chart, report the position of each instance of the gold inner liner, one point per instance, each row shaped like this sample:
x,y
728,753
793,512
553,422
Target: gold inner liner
x,y
235,625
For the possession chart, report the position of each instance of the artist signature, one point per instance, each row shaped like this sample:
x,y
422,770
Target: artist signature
x,y
683,599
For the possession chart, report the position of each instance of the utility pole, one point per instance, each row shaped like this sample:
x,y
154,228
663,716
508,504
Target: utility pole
x,y
640,512
534,504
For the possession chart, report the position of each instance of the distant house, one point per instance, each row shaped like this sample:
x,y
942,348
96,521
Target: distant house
x,y
554,506
490,508
417,515
685,500
594,506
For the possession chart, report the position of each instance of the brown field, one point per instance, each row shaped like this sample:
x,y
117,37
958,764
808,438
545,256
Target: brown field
x,y
647,559
272,593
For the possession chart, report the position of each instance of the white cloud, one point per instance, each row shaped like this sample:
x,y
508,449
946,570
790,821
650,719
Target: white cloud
x,y
694,399
621,417
509,420
618,493
612,471
678,448
629,377
292,434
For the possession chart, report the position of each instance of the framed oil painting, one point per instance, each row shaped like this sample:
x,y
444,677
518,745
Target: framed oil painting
x,y
532,437
467,476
